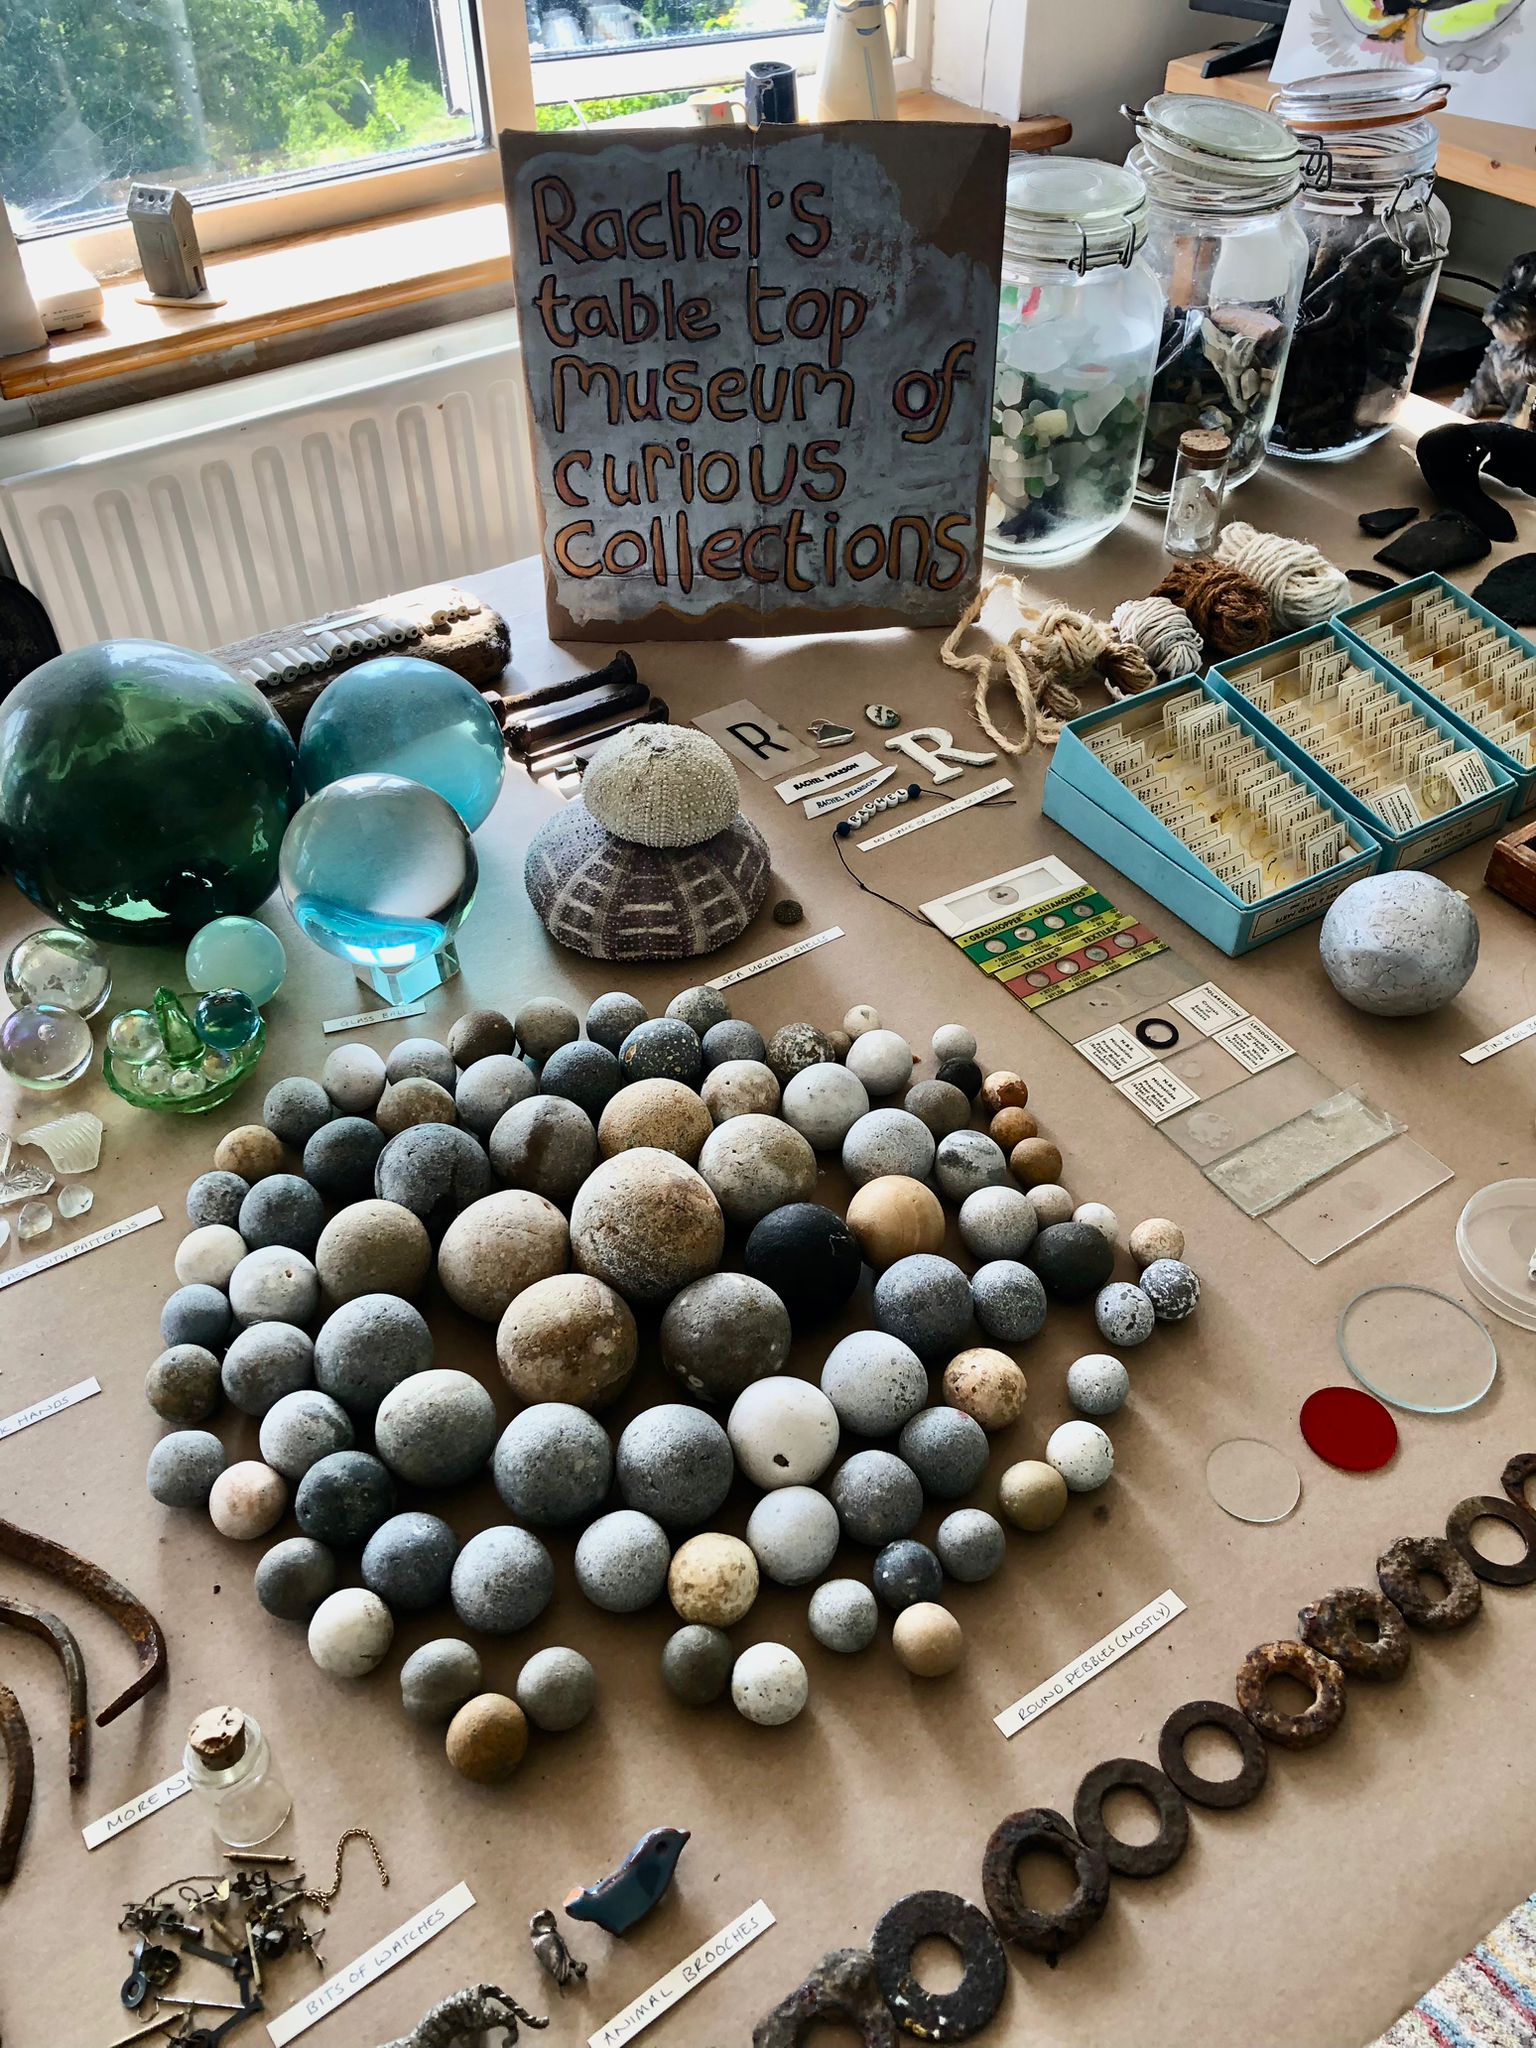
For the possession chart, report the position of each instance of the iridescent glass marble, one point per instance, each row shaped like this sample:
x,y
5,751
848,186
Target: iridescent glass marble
x,y
403,716
42,1046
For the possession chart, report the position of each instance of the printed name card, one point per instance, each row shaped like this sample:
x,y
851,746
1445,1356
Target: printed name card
x,y
678,1982
394,1948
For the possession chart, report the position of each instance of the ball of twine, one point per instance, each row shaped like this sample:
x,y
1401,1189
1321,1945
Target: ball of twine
x,y
1165,635
1226,608
1053,648
1302,585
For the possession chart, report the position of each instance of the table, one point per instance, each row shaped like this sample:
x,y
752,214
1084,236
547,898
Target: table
x,y
1313,1916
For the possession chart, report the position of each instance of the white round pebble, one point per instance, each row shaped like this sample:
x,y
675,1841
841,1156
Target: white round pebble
x,y
353,1077
207,1257
1082,1454
844,1616
1052,1203
793,1534
1124,1314
784,1432
274,1285
350,1633
1098,1217
1155,1239
953,1042
998,1223
1098,1384
769,1685
882,1060
887,1141
861,1018
823,1103
247,1500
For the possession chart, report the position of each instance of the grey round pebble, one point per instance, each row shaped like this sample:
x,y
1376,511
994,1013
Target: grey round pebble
x,y
612,1017
546,1145
700,1008
732,1039
968,1160
343,1498
196,1315
266,1362
843,1616
294,1576
183,1466
502,1580
556,1689
282,1210
216,1198
588,1075
906,1572
274,1285
874,1381
721,1333
480,1035
434,1170
696,1664
436,1428
353,1077
421,1059
939,1105
295,1109
301,1429
544,1025
1124,1313
998,1223
488,1089
408,1561
553,1464
793,1534
340,1160
663,1048
621,1561
1010,1302
926,1302
1098,1384
971,1545
887,1141
947,1449
877,1496
183,1384
437,1679
367,1347
674,1463
1173,1289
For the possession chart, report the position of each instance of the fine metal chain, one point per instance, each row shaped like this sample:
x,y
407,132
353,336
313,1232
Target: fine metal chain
x,y
325,1899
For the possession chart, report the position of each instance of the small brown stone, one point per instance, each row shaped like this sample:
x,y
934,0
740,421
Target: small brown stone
x,y
987,1386
250,1150
1036,1162
1011,1127
487,1738
568,1338
893,1217
478,1034
417,1101
498,1246
839,1041
661,1113
927,1639
712,1579
1003,1090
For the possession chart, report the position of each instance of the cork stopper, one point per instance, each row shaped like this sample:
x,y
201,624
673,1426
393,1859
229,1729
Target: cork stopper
x,y
1205,447
217,1738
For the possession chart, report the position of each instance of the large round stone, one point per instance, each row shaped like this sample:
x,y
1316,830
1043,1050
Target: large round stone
x,y
724,1332
647,1224
373,1248
926,1302
367,1347
874,1381
497,1247
756,1164
435,1171
342,1499
301,1429
621,1561
659,1113
675,1464
546,1145
553,1464
485,1092
808,1256
266,1362
568,1338
408,1561
1399,944
436,1428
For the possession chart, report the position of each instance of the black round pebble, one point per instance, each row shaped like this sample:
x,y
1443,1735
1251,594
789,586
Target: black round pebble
x,y
196,1315
340,1159
808,1256
964,1075
584,1073
663,1048
343,1499
282,1210
216,1198
408,1561
434,1170
906,1572
1073,1260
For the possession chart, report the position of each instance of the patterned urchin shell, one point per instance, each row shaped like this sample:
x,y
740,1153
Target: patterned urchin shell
x,y
612,900
662,785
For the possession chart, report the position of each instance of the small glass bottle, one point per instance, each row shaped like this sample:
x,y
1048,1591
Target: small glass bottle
x,y
231,1769
1199,485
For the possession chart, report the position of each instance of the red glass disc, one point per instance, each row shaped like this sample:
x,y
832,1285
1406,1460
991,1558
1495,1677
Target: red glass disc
x,y
1349,1428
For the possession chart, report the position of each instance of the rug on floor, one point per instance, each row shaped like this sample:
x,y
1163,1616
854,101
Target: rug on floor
x,y
1487,2001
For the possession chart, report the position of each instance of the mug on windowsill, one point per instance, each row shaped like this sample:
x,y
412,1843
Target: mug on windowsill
x,y
714,107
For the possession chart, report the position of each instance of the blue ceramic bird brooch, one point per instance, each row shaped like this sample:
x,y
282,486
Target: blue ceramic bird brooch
x,y
627,1894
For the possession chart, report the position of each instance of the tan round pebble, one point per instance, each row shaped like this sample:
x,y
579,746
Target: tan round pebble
x,y
416,1101
487,1738
893,1217
373,1248
712,1579
1035,1160
861,1018
1052,1203
250,1150
740,1088
1003,1090
247,1500
756,1164
1157,1238
841,1043
1011,1127
660,1113
569,1338
478,1034
1032,1495
647,1224
987,1386
927,1639
498,1246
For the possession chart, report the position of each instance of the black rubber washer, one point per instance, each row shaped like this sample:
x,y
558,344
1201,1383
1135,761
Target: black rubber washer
x,y
1160,1033
1219,1792
1398,1572
1515,1474
1132,1859
1043,1934
939,2015
1458,1531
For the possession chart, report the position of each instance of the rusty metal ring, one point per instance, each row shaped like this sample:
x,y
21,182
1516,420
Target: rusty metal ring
x,y
1039,1828
1332,1625
1222,1793
1477,1507
1290,1659
1397,1573
939,2015
1132,1859
842,1990
1515,1474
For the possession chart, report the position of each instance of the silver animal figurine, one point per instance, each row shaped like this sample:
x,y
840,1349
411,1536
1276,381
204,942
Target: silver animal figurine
x,y
1505,383
463,2016
549,1946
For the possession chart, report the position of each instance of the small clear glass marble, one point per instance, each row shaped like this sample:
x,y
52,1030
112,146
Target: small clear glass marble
x,y
42,1046
232,1773
60,967
1199,487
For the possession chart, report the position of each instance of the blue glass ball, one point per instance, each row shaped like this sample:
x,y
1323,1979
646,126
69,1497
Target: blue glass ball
x,y
378,871
402,716
226,1019
237,952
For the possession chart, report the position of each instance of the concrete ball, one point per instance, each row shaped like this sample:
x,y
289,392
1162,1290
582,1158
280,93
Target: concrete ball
x,y
793,1534
712,1579
784,1432
733,1039
265,1363
1172,1288
499,1246
861,1018
556,1689
878,1497
184,1384
947,1449
675,1464
206,1257
487,1738
553,1464
700,1008
843,1616
661,1114
875,1382
196,1315
740,1087
1098,1384
1035,1161
420,1059
486,1091
1155,1239
437,1679
882,1060
408,1561
722,1333
927,1640
339,1162
251,1151
367,1347
405,1104
544,1025
1100,1217
1033,1495
1124,1314
696,1664
350,1633
283,1210
756,1164
663,1048
939,1105
588,1075
480,1035
987,1386
1003,1090
1399,944
435,1171
301,1429
246,1500
926,1302
546,1145
646,1224
503,1579
997,1223
1073,1260
621,1561
612,1017
436,1428
1051,1203
568,1338
293,1577
906,1572
971,1545
372,1248
274,1285
823,1103
182,1468
1082,1454
1009,1300
1010,1127
769,1686
794,1046
887,1141
893,1218
953,1042
808,1256
293,1111
353,1078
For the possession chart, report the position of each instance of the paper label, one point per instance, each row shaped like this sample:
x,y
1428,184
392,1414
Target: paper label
x,y
54,1404
1106,1651
1115,1052
394,1948
1254,1045
1207,1007
133,1811
679,1981
815,780
1396,808
833,931
1514,1035
834,799
1468,775
756,737
916,824
359,1018
1157,1093
81,1245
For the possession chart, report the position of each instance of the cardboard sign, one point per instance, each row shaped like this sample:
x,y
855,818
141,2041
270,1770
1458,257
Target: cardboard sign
x,y
759,370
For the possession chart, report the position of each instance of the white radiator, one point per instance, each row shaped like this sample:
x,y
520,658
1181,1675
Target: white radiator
x,y
206,517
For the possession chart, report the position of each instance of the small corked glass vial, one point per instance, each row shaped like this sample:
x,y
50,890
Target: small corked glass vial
x,y
1199,486
230,1767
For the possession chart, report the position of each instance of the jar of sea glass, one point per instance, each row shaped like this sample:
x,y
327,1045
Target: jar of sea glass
x,y
1224,239
1376,236
1078,321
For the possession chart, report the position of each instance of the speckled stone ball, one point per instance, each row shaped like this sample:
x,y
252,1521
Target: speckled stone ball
x,y
301,1429
966,1161
926,1302
184,1384
342,1499
1010,1127
1033,1495
784,1432
1124,1314
938,1105
663,1049
246,1500
953,1042
971,1545
487,1738
437,1679
408,1561
793,1534
497,1247
997,1223
436,1428
712,1579
621,1561
568,1338
274,1285
435,1171
823,1103
1172,1288
647,1224
1073,1260
878,1497
674,1463
808,1256
927,1640
1097,1384
894,1217
1051,1203
1082,1454
353,1078
265,1363
1155,1239
733,1039
503,1579
486,1091
182,1468
1034,1162
216,1198
740,1087
887,1141
584,1073
1009,1300
1399,944
987,1386
905,1572
874,1381
661,1114
480,1035
195,1315
696,1664
796,1046
947,1449
367,1347
546,1145
206,1257
294,1576
843,1616
294,1110
405,1104
373,1248
420,1059
340,1161
350,1633
544,1025
556,1689
722,1333
612,1017
962,1074
553,1465
882,1060
769,1686
756,1164
250,1150
700,1008
282,1210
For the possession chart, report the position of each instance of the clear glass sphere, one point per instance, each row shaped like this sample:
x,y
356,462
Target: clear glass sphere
x,y
238,952
60,967
134,1035
42,1046
400,715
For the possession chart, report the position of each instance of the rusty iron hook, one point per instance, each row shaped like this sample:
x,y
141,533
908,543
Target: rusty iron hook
x,y
37,1621
105,1592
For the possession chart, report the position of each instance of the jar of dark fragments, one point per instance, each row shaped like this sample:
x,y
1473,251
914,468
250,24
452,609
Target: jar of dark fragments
x,y
1376,236
1226,245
